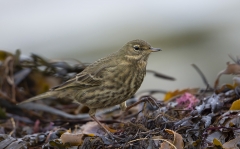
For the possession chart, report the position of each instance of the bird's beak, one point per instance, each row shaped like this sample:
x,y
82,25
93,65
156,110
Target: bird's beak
x,y
155,49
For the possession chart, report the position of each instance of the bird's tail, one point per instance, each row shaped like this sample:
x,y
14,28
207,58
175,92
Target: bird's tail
x,y
41,96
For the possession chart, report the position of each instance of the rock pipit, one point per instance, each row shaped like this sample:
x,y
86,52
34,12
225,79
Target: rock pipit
x,y
108,81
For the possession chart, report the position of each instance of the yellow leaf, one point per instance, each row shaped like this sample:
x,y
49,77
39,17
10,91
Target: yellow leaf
x,y
4,55
110,129
91,134
216,142
235,105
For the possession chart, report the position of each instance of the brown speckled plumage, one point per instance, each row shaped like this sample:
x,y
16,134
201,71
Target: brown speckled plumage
x,y
109,81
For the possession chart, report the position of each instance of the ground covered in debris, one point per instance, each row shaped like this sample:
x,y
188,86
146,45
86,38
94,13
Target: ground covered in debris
x,y
188,118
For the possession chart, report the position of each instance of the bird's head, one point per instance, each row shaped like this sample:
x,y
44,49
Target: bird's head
x,y
137,50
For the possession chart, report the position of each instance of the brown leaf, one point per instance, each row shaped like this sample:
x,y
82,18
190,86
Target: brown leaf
x,y
231,69
165,145
232,144
92,128
178,140
73,138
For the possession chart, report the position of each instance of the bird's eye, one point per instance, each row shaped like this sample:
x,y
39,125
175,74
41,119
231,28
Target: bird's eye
x,y
136,47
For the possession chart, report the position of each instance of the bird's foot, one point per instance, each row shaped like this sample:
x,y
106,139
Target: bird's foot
x,y
152,101
114,137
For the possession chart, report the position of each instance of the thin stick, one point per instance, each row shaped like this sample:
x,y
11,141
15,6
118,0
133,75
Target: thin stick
x,y
202,76
14,126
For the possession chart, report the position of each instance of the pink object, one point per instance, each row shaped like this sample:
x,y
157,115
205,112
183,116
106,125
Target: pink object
x,y
188,100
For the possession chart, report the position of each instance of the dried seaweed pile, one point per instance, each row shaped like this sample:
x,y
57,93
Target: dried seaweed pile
x,y
188,118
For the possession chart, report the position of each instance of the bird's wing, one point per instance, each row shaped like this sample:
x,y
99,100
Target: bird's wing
x,y
89,77
79,82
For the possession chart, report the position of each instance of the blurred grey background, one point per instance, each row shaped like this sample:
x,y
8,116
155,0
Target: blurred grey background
x,y
200,32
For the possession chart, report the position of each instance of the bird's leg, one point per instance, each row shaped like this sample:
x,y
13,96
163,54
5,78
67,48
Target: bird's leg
x,y
148,99
92,114
123,106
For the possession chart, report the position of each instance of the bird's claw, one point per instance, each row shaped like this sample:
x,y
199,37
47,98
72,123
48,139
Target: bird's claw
x,y
149,99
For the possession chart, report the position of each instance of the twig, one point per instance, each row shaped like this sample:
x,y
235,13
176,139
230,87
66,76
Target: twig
x,y
14,126
160,75
152,92
202,76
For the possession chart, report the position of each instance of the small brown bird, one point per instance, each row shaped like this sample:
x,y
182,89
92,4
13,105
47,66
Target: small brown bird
x,y
107,82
